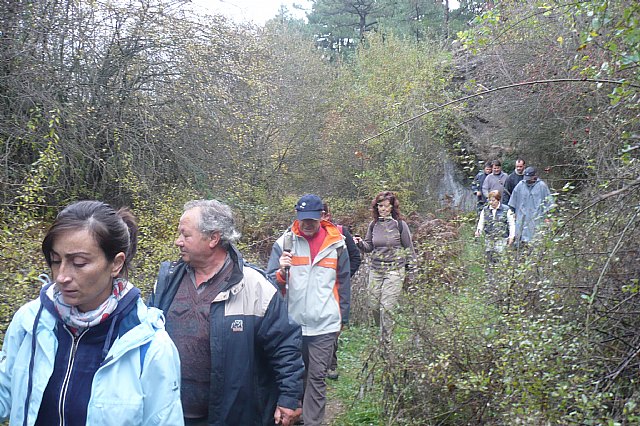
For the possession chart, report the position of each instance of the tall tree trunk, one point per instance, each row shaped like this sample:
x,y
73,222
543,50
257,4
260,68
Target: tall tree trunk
x,y
446,19
417,24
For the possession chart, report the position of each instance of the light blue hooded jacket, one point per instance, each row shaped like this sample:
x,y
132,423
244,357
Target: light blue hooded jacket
x,y
531,203
139,384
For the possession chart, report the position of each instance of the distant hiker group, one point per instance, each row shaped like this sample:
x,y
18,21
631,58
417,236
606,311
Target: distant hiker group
x,y
219,342
510,208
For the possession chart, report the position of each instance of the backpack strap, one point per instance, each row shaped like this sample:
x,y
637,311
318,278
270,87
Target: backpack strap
x,y
261,272
160,284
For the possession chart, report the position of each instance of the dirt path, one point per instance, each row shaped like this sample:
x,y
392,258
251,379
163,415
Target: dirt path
x,y
333,410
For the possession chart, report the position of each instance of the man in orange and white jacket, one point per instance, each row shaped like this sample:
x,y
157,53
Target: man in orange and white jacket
x,y
316,272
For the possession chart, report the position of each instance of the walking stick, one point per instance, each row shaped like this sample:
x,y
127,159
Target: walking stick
x,y
287,245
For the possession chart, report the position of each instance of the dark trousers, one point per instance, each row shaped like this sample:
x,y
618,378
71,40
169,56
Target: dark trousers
x,y
316,353
334,357
196,422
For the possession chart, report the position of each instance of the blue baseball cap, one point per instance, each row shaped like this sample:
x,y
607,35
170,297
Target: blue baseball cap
x,y
309,206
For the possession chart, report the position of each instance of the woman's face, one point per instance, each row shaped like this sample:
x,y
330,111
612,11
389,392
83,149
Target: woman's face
x,y
494,202
384,208
81,270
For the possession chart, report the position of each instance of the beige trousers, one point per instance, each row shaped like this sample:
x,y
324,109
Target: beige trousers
x,y
385,288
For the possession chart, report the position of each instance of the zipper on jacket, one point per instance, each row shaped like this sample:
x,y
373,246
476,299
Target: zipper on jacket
x,y
67,376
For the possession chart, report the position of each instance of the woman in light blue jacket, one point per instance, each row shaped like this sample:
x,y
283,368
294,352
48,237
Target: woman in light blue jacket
x,y
88,351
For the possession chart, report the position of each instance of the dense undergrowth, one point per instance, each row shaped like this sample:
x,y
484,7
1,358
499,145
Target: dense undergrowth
x,y
525,344
547,338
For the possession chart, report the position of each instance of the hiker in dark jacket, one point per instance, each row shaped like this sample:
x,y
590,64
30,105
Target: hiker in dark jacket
x,y
241,356
476,185
514,178
354,265
388,239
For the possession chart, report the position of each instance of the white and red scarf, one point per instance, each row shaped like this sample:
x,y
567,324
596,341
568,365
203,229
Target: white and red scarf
x,y
79,321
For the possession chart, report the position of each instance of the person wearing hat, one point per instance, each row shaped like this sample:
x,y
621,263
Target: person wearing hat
x,y
316,271
514,178
531,201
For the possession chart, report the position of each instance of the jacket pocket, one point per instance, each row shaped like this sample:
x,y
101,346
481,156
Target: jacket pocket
x,y
121,410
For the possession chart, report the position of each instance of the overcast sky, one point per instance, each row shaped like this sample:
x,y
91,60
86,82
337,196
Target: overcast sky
x,y
260,11
257,11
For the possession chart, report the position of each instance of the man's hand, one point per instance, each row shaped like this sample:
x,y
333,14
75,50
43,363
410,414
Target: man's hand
x,y
285,260
285,416
510,241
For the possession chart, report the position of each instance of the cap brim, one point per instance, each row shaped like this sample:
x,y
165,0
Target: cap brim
x,y
314,214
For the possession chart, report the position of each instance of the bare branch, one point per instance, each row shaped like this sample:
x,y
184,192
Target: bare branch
x,y
508,86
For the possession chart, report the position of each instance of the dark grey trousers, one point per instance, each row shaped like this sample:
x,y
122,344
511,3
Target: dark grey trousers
x,y
316,353
334,357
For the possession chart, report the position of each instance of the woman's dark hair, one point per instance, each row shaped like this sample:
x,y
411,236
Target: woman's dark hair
x,y
393,200
114,231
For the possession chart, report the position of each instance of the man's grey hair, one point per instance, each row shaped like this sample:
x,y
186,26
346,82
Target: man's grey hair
x,y
215,217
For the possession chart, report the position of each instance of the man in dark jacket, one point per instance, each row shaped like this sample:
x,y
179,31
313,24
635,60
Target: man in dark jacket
x,y
354,264
514,178
476,185
240,354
